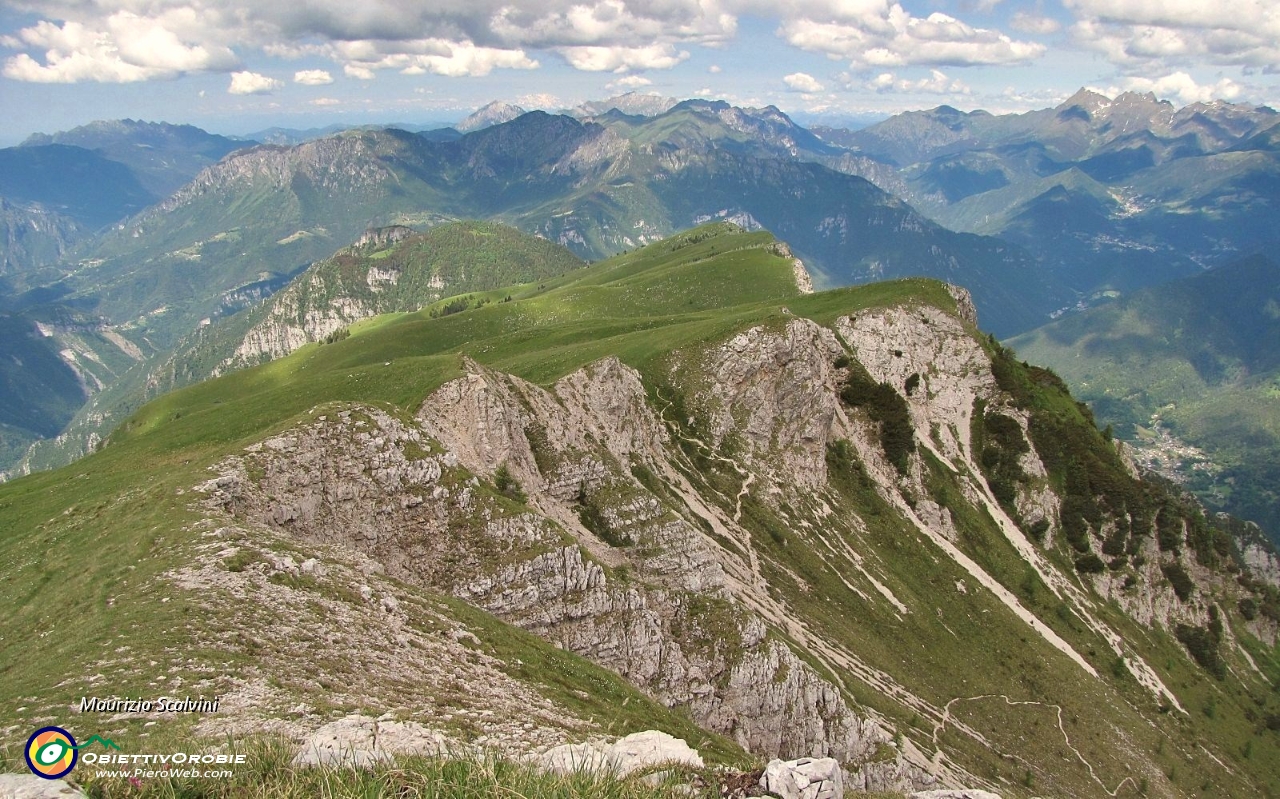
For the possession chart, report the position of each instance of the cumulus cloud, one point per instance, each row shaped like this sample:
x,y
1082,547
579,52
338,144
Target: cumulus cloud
x,y
363,59
1147,48
466,59
252,83
325,101
1142,35
1247,15
800,82
628,84
312,77
126,48
616,23
1034,23
937,82
1182,87
896,38
128,40
623,59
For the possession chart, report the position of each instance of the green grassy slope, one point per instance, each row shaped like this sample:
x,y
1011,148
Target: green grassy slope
x,y
450,259
99,534
87,549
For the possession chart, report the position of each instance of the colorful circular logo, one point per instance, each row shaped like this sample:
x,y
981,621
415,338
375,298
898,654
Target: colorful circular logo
x,y
51,752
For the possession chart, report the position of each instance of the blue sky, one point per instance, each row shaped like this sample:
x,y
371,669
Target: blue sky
x,y
239,65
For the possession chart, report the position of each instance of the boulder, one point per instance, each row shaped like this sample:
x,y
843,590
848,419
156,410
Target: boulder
x,y
961,793
590,758
806,778
636,752
650,748
362,742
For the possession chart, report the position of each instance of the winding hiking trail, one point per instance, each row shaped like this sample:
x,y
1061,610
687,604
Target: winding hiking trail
x,y
748,477
946,717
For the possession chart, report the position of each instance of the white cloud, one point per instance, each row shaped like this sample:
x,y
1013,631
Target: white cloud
x,y
896,38
131,40
714,69
125,49
628,83
937,82
465,59
1034,23
800,82
252,83
1244,15
1149,36
623,59
362,59
1184,88
609,23
325,101
312,77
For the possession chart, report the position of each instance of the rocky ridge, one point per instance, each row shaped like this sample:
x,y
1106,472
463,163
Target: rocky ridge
x,y
620,520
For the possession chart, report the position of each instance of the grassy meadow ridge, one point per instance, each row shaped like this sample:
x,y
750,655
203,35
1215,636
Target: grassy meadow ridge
x,y
92,605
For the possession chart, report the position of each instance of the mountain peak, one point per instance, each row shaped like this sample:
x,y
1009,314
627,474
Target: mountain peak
x,y
1140,98
494,113
631,103
1087,99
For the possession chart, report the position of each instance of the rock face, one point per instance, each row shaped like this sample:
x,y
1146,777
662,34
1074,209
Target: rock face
x,y
695,529
644,593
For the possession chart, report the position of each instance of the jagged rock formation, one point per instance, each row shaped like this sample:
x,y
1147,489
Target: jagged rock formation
x,y
649,625
622,519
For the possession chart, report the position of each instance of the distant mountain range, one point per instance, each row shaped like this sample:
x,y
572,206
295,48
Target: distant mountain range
x,y
1109,194
548,402
1056,209
163,157
57,190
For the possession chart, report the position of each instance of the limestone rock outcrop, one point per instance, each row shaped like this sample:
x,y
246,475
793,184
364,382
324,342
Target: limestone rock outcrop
x,y
363,741
806,778
641,751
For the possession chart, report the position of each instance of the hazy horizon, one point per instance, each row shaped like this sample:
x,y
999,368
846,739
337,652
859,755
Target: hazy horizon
x,y
234,67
